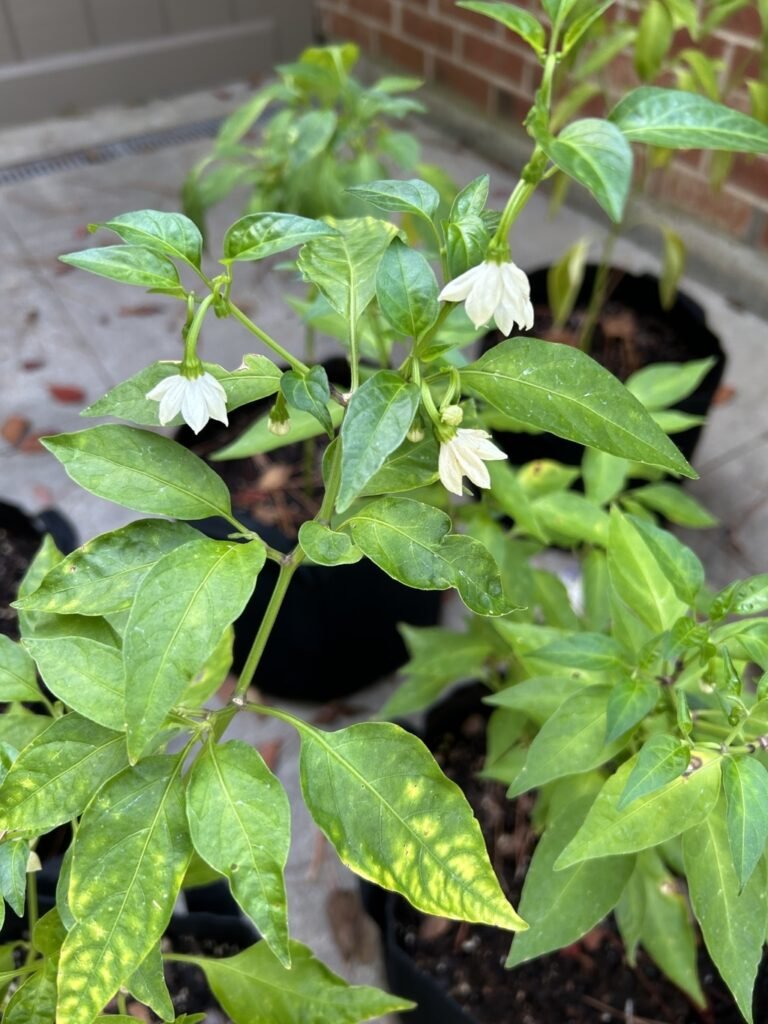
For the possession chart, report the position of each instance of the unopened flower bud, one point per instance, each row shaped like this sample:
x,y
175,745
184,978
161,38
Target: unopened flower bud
x,y
452,415
416,433
279,427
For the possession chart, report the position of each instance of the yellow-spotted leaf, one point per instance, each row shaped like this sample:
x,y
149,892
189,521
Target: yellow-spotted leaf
x,y
130,855
380,797
182,607
55,776
240,823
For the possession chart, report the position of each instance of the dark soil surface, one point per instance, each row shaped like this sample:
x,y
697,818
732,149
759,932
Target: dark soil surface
x,y
624,341
585,983
17,548
281,489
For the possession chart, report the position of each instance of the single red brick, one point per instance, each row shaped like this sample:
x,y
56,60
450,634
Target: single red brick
x,y
375,10
751,174
693,193
428,28
470,86
493,59
400,52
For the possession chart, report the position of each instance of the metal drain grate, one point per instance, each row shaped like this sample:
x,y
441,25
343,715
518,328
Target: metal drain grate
x,y
101,153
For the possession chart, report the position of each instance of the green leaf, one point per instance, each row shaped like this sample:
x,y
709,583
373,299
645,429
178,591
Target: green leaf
x,y
259,438
403,825
679,564
14,855
412,465
561,906
559,388
142,471
209,678
733,920
672,421
666,931
605,475
324,546
654,38
263,234
130,854
411,542
745,784
378,417
512,498
240,121
674,504
18,727
558,10
663,384
637,577
240,823
471,199
439,657
311,133
406,289
344,267
17,672
571,741
257,378
672,268
147,985
101,576
564,280
411,196
662,759
181,608
630,701
466,243
742,597
253,987
686,120
647,821
517,20
85,675
579,25
584,650
539,696
34,1002
310,393
171,234
595,153
571,518
130,264
53,779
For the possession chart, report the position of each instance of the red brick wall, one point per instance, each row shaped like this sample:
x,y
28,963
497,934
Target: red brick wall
x,y
490,67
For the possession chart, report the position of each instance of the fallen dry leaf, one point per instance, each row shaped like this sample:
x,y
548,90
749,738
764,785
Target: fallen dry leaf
x,y
724,394
144,309
354,933
67,393
31,443
32,364
13,429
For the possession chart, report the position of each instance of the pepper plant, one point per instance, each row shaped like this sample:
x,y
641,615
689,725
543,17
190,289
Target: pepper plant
x,y
131,633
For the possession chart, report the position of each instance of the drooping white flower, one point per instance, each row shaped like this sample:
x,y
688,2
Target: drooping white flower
x,y
493,290
465,454
198,399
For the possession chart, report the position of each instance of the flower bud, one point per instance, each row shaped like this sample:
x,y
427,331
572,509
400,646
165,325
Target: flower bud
x,y
416,433
279,427
279,420
452,415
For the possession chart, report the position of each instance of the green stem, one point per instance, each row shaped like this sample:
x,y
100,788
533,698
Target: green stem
x,y
354,355
293,362
33,911
599,290
122,1004
190,342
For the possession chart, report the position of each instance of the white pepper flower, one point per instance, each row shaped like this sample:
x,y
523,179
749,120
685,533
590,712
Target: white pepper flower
x,y
465,454
198,399
493,290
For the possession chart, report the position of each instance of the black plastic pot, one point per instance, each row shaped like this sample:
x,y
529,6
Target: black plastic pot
x,y
690,338
20,537
337,627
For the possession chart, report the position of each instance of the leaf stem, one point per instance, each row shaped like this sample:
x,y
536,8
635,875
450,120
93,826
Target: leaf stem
x,y
276,347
